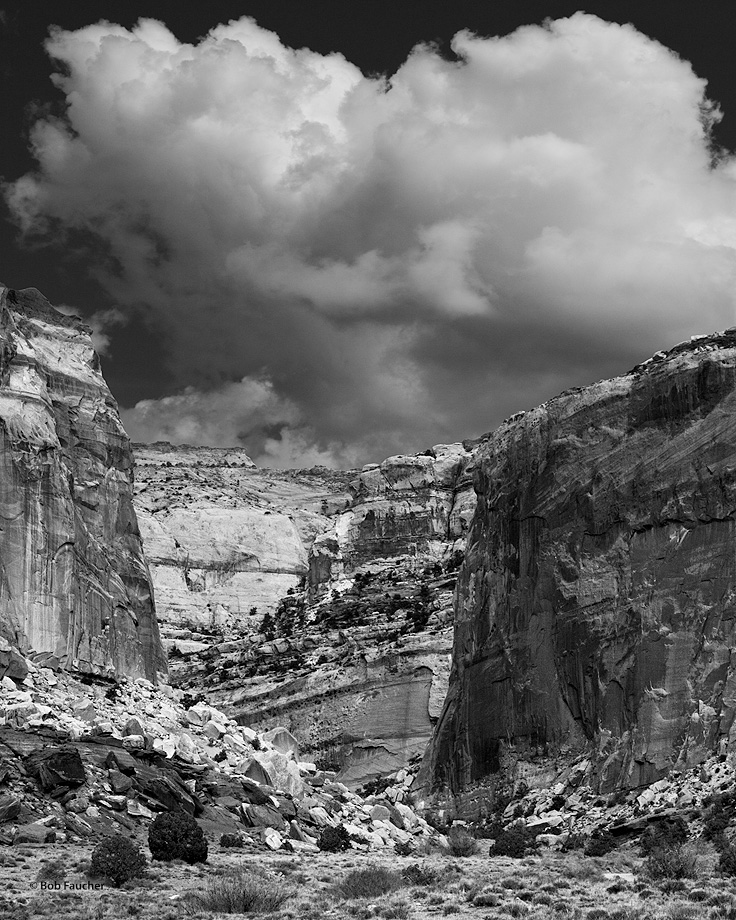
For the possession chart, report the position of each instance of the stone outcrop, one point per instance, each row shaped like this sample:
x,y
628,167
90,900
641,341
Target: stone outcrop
x,y
596,609
74,585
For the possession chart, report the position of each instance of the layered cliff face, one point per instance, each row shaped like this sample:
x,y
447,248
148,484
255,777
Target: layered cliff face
x,y
315,599
73,581
224,539
407,505
596,610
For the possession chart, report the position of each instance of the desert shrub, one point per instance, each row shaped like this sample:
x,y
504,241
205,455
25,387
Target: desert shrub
x,y
574,842
715,824
727,860
671,862
53,871
232,840
599,843
461,842
334,839
419,874
371,882
176,835
240,891
515,841
698,894
118,859
404,849
486,830
670,832
437,821
375,786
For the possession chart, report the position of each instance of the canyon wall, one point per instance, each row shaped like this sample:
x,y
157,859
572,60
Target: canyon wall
x,y
352,572
74,585
596,608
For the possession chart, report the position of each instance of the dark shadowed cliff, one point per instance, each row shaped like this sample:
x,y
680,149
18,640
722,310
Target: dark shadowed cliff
x,y
596,610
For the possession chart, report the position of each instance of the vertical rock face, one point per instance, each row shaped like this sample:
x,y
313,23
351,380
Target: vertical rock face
x,y
225,540
596,609
406,505
73,580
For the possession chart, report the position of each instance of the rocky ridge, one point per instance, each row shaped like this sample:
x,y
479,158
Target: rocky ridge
x,y
74,585
595,607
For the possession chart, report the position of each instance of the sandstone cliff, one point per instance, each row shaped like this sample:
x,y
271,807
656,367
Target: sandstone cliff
x,y
418,505
596,609
73,581
224,539
316,599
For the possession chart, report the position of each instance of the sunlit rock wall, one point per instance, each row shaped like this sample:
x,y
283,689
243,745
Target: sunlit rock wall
x,y
73,580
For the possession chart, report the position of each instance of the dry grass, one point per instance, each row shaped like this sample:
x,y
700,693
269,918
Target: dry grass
x,y
365,886
240,891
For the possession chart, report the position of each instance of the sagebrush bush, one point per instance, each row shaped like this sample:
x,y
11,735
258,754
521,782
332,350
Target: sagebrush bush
x,y
671,862
599,843
371,882
727,860
232,840
240,891
515,841
118,859
669,832
176,835
419,874
54,871
334,839
461,842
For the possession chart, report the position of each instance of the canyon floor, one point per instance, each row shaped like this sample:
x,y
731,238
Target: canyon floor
x,y
552,884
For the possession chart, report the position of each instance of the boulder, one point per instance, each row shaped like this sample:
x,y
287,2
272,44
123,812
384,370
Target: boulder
x,y
34,833
56,766
263,816
13,665
9,807
255,793
134,727
283,741
120,760
254,770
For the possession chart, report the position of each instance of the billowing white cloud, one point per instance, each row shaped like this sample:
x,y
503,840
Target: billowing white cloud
x,y
405,261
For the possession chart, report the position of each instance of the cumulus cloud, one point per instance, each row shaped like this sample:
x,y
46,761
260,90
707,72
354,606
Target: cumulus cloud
x,y
248,411
397,262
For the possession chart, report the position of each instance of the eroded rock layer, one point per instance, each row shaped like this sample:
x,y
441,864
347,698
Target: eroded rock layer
x,y
596,608
317,599
73,581
224,539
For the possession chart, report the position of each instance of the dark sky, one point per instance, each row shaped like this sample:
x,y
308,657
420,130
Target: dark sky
x,y
337,274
